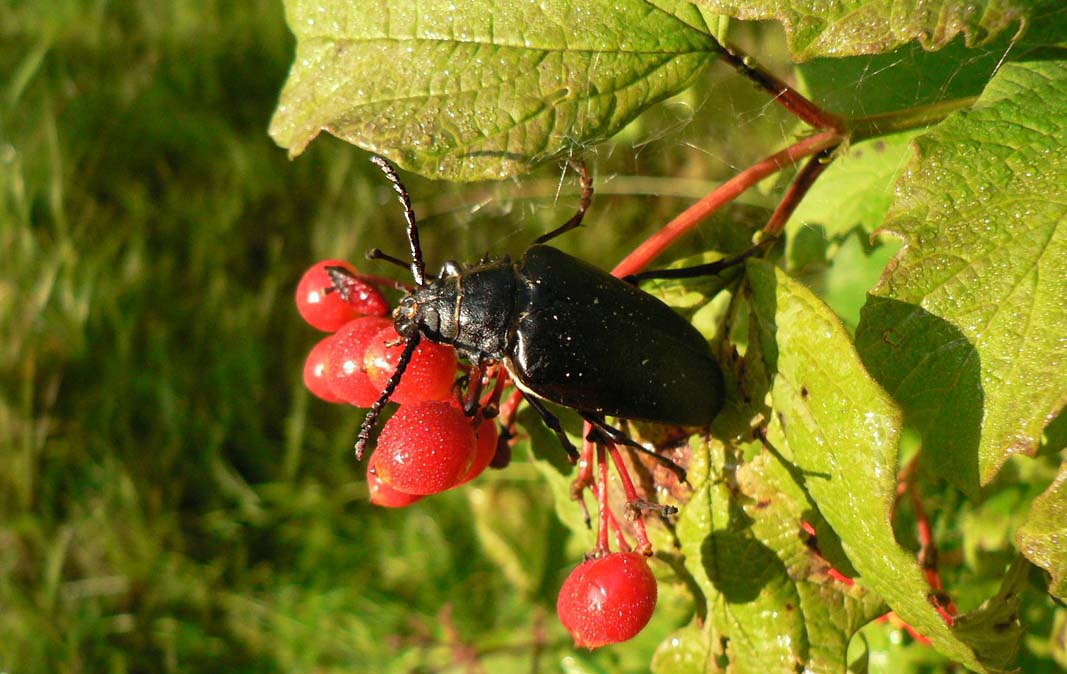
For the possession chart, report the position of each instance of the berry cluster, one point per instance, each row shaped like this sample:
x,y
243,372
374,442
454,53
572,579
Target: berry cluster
x,y
439,439
429,445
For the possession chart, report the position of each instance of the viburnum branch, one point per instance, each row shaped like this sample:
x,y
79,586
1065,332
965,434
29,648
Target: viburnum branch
x,y
928,559
620,537
893,619
643,544
602,545
686,221
783,94
584,479
797,190
508,410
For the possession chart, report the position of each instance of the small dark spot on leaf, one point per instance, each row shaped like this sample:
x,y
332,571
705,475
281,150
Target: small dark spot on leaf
x,y
857,154
1004,626
879,146
781,420
722,660
788,606
803,391
760,505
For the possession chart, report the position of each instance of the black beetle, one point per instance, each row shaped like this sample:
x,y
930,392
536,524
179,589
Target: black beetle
x,y
566,331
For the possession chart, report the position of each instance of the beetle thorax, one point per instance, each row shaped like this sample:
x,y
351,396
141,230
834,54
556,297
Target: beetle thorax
x,y
471,311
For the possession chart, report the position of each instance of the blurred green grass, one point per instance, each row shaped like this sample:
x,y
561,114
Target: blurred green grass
x,y
171,499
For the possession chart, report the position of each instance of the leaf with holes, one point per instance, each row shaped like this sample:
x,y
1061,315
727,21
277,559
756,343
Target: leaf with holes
x,y
967,329
474,90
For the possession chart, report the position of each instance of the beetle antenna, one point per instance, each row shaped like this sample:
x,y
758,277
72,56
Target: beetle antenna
x,y
418,267
379,254
387,392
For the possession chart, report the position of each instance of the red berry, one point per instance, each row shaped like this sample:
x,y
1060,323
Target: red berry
x,y
384,495
485,450
324,307
315,371
425,448
428,376
608,599
345,374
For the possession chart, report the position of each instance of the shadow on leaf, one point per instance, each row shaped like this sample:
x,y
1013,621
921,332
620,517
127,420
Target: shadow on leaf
x,y
933,372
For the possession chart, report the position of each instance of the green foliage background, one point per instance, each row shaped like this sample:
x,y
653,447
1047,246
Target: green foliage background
x,y
171,499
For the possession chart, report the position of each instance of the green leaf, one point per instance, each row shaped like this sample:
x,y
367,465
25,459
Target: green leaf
x,y
857,188
475,90
906,77
994,627
1043,537
768,597
852,27
684,652
841,431
966,330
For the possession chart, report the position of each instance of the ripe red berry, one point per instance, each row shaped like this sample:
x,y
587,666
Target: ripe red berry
x,y
384,495
315,371
345,374
428,376
485,450
324,307
608,599
425,448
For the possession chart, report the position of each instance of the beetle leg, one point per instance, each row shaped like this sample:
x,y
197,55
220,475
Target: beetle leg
x,y
709,269
602,429
587,198
474,390
552,421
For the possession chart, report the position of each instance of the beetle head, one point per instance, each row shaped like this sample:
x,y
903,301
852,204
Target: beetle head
x,y
429,309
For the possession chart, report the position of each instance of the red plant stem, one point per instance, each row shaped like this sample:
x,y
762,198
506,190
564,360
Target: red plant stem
x,y
928,554
797,189
585,462
944,605
892,617
842,578
783,94
643,544
620,537
641,256
904,478
493,397
508,409
602,501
